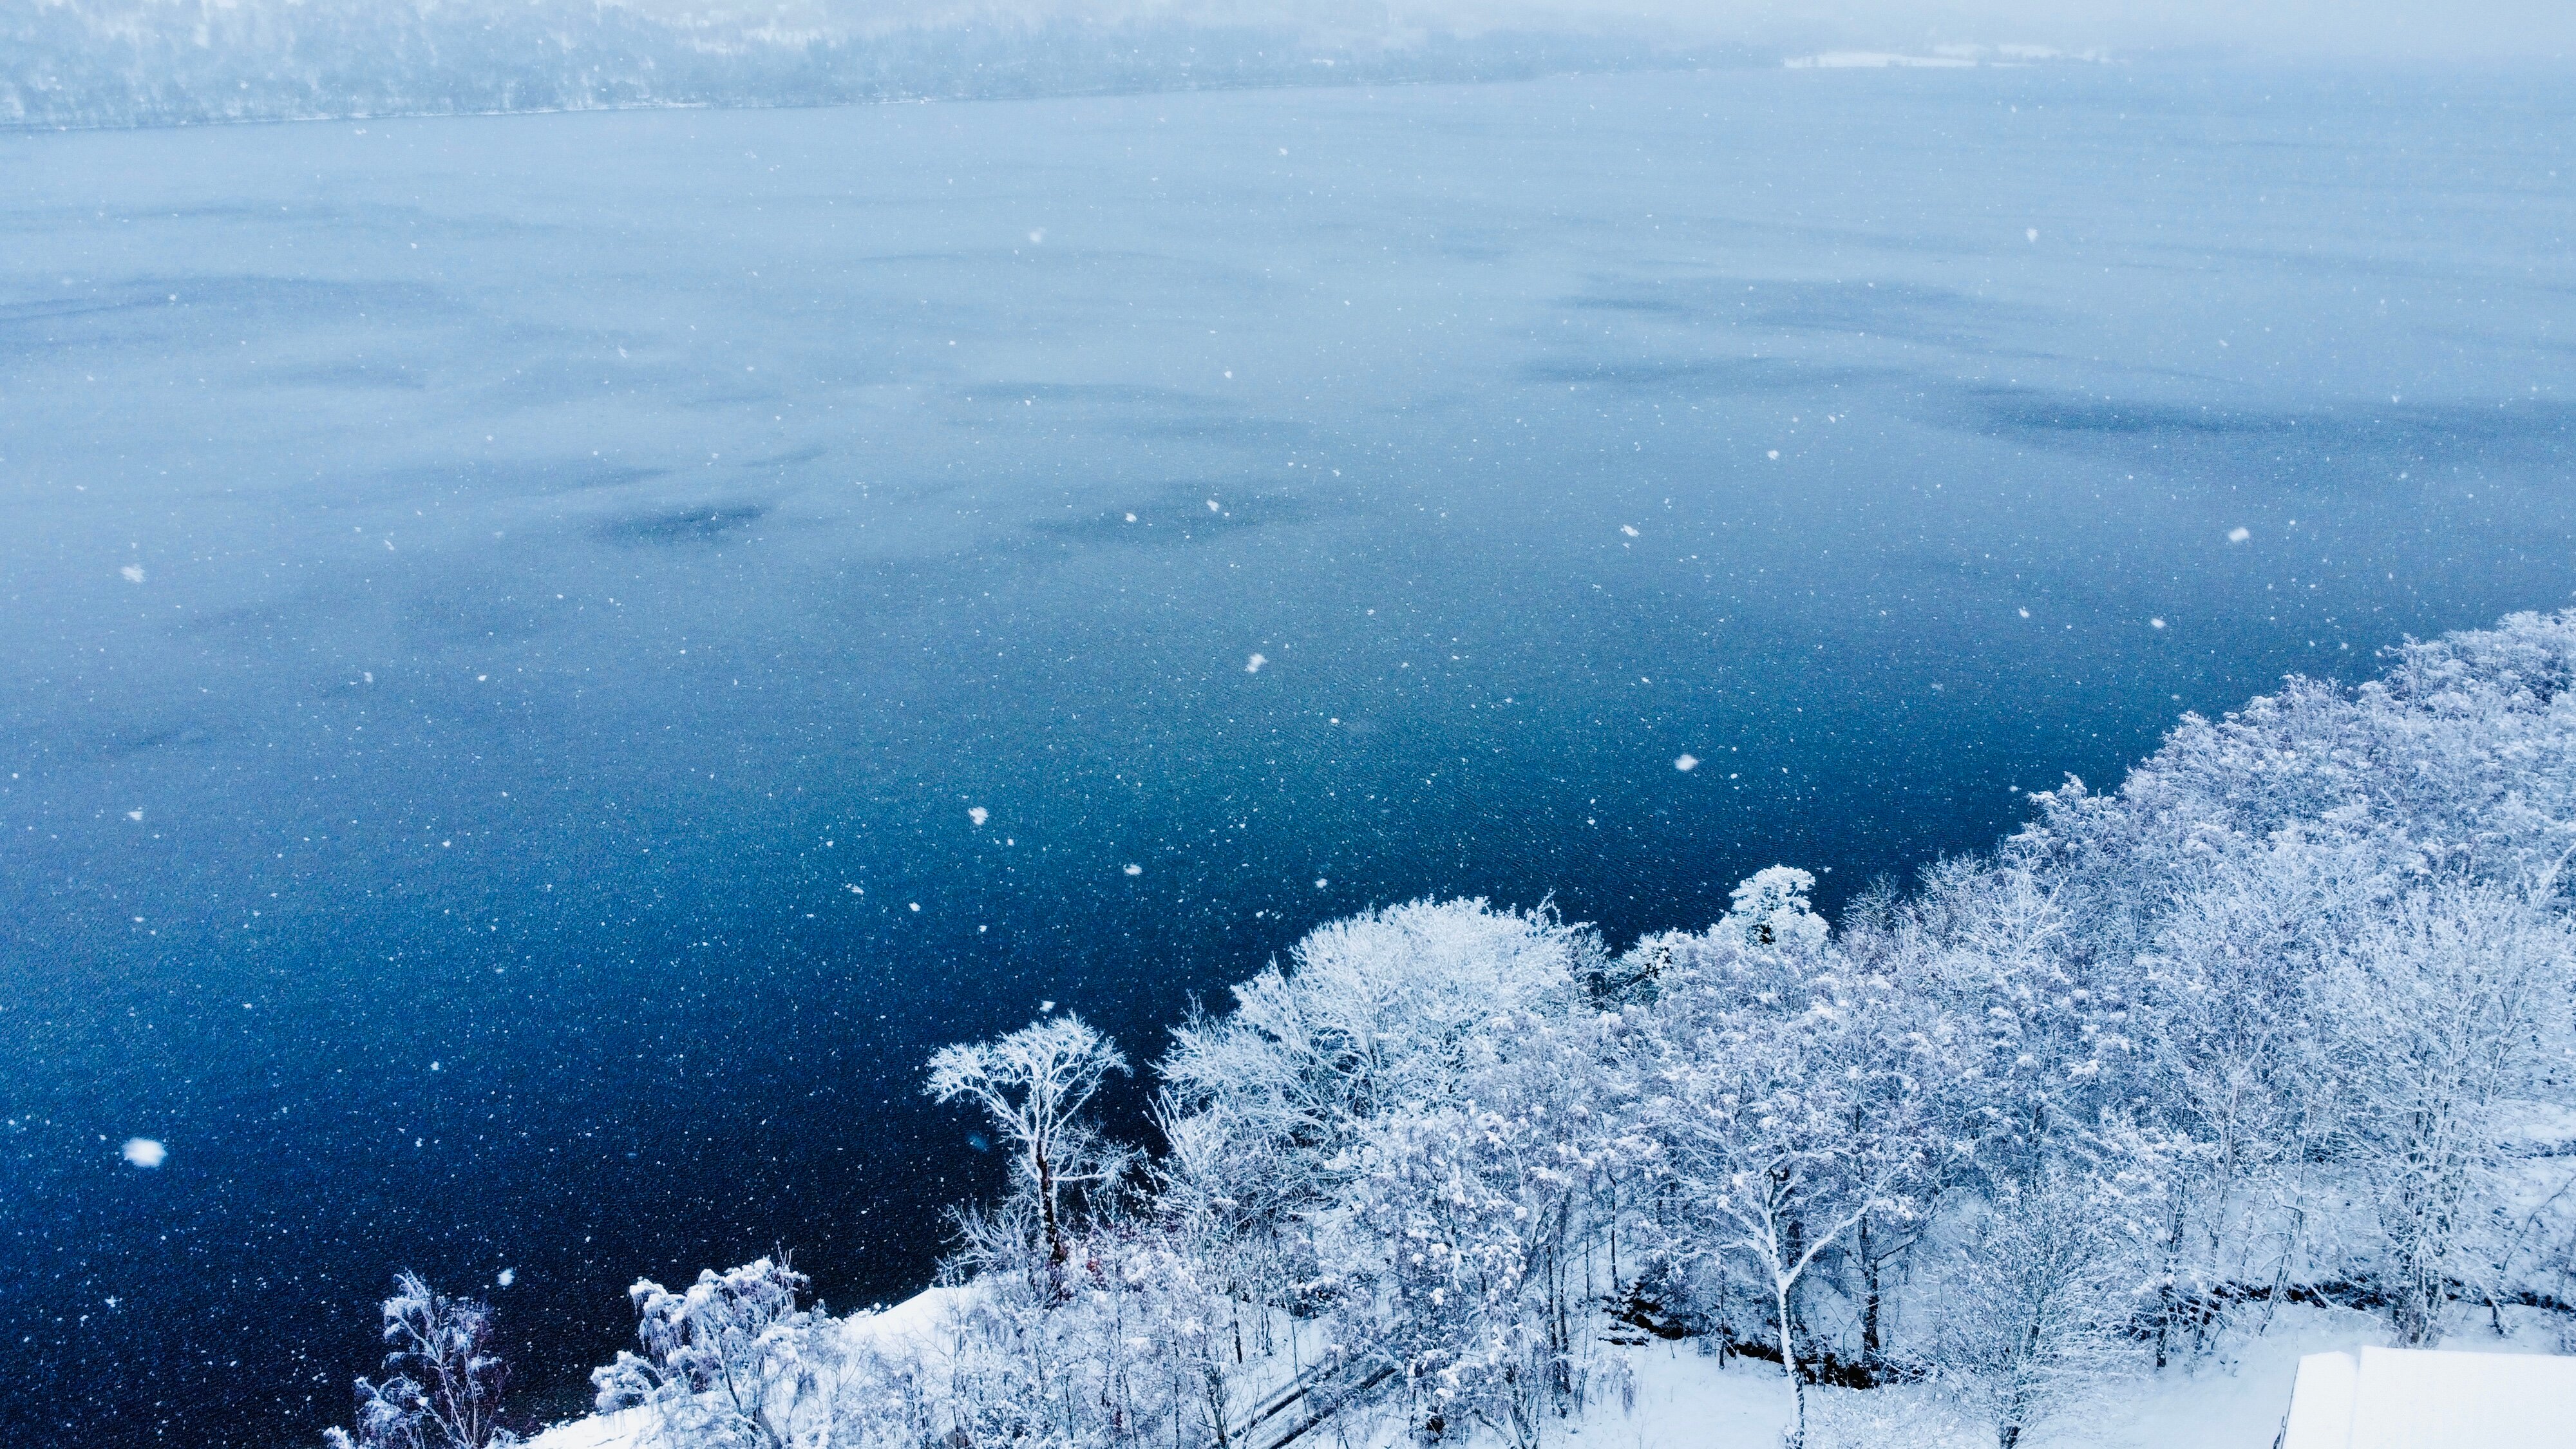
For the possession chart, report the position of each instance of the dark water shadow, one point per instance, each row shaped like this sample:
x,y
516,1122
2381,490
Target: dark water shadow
x,y
681,527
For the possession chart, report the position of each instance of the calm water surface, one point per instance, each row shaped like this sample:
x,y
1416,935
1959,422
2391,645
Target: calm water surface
x,y
503,622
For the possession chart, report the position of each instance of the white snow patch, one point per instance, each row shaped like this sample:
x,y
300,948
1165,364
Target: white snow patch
x,y
145,1151
505,1277
978,814
1686,763
1253,665
624,1429
2239,534
133,573
2155,623
1135,870
1629,529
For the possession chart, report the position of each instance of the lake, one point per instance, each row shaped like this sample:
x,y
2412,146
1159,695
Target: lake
x,y
549,661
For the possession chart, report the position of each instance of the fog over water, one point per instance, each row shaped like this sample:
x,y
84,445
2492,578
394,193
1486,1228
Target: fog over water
x,y
504,622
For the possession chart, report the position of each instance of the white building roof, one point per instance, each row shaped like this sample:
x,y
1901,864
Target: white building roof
x,y
2389,1398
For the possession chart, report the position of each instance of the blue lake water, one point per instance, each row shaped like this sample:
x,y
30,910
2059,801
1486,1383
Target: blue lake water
x,y
503,622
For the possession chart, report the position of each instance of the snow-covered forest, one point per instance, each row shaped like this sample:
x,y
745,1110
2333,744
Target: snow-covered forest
x,y
2284,1020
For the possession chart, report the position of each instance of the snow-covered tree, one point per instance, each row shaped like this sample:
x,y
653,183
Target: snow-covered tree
x,y
2441,1010
446,1379
1464,1254
1034,1084
1788,1092
1384,1011
730,1362
2034,1302
1773,909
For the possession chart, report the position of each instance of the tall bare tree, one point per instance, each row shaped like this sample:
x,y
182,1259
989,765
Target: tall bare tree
x,y
1034,1084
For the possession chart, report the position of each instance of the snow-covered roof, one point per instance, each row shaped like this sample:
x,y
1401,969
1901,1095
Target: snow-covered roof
x,y
2390,1398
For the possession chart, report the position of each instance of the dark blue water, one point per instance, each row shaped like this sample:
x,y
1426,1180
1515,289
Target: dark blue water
x,y
588,568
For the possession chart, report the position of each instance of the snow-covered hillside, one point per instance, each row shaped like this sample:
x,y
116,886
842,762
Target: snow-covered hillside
x,y
1671,1393
2271,1051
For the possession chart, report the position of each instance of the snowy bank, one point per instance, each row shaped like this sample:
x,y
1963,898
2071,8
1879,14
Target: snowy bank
x,y
1678,1393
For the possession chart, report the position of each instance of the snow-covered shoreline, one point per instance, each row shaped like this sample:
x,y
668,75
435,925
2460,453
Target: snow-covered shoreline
x,y
2267,1054
1672,1395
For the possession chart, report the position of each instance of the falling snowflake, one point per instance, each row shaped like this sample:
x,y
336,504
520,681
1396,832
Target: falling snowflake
x,y
1135,870
144,1151
978,814
1630,529
2239,534
133,573
1253,665
1686,763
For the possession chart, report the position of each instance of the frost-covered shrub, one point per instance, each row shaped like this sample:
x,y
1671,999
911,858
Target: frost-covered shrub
x,y
730,1362
446,1380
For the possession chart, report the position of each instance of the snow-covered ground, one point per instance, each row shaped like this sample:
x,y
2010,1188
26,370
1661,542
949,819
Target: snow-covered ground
x,y
1672,1394
2233,1399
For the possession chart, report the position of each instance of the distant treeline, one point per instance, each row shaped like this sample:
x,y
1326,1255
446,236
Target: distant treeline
x,y
152,62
